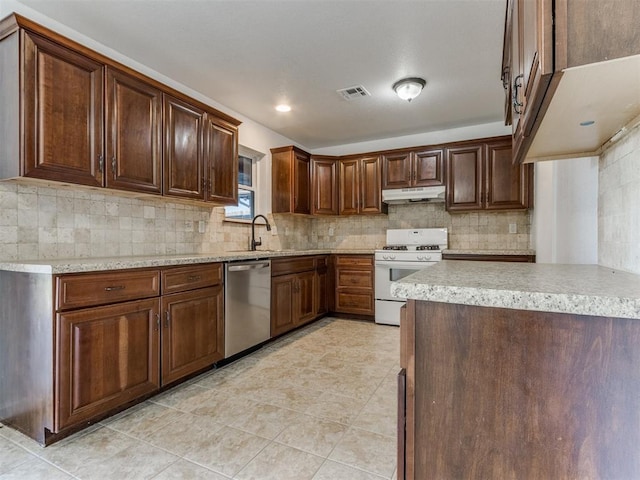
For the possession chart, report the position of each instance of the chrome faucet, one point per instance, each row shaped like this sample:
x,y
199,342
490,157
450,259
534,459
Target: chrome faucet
x,y
256,243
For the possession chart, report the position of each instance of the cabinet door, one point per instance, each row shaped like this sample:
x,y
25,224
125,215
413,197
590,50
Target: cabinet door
x,y
396,170
428,168
62,113
183,149
324,178
535,30
322,288
133,134
301,183
349,190
282,309
105,358
192,332
221,160
506,182
464,178
304,289
370,185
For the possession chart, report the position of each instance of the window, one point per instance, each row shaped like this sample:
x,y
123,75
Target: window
x,y
247,187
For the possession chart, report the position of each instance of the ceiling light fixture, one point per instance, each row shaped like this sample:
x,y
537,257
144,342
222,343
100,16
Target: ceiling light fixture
x,y
283,108
409,88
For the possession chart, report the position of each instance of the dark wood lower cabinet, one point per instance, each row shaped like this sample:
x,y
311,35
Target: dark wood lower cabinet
x,y
299,289
75,348
354,284
106,357
513,394
192,332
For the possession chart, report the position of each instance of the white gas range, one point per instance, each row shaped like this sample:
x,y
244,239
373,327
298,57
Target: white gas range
x,y
406,252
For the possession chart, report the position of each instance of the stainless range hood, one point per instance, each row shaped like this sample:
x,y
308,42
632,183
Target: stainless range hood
x,y
413,195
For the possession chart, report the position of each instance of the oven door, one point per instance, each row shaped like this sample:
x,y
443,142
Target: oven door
x,y
388,271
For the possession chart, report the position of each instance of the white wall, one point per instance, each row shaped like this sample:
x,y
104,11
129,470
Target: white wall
x,y
428,138
565,217
619,204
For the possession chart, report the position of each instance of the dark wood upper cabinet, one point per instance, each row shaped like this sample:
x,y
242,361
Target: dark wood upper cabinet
x,y
221,154
324,186
544,37
360,181
405,169
370,185
62,116
397,171
290,180
507,184
428,168
133,134
183,150
72,115
483,177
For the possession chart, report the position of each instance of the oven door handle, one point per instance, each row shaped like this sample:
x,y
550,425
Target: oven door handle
x,y
404,265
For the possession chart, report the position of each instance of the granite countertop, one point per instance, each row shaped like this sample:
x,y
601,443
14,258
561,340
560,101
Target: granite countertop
x,y
488,252
77,265
576,289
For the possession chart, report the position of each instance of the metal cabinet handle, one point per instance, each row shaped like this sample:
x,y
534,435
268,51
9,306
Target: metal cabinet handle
x,y
113,166
167,319
252,266
194,278
114,288
517,105
101,163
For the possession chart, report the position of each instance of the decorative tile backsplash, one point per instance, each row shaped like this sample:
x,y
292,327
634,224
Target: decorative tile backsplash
x,y
619,204
46,221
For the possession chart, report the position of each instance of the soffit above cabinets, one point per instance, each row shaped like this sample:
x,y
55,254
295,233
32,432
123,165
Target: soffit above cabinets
x,y
607,93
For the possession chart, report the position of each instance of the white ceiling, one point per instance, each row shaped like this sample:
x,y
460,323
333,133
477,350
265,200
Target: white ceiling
x,y
252,55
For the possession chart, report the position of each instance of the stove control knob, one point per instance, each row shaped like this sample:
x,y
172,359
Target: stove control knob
x,y
424,258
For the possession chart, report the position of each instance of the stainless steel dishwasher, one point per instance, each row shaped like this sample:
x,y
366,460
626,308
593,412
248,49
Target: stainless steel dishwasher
x,y
247,300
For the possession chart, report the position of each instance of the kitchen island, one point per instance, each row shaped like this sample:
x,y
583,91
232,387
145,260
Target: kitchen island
x,y
523,371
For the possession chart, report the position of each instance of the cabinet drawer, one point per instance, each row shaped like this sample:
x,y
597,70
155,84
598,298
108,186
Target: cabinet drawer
x,y
284,266
359,260
180,279
85,290
352,301
355,278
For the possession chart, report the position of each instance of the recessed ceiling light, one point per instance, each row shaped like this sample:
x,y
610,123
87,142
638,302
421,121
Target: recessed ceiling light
x,y
283,108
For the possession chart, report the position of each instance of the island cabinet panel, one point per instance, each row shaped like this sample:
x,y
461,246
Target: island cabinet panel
x,y
106,357
62,113
502,393
133,134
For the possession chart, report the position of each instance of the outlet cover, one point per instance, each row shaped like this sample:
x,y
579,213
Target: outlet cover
x,y
513,228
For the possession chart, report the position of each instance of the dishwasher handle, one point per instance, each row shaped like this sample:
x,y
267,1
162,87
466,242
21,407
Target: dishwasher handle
x,y
248,266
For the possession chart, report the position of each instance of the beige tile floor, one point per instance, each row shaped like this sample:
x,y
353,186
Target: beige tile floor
x,y
318,404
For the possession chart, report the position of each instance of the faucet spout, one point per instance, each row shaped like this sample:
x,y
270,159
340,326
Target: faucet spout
x,y
256,243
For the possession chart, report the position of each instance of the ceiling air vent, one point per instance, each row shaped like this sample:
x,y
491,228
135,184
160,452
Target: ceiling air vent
x,y
351,93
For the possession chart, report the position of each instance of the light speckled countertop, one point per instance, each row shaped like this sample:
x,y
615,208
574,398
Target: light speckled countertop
x,y
488,252
77,265
577,289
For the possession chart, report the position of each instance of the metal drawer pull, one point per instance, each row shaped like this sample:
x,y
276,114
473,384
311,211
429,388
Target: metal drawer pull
x,y
114,288
194,278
